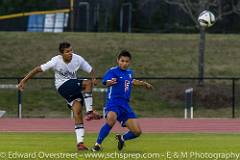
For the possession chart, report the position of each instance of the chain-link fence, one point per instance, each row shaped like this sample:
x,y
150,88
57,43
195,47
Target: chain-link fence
x,y
217,97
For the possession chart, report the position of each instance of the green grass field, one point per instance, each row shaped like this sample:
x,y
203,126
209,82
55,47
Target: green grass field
x,y
168,146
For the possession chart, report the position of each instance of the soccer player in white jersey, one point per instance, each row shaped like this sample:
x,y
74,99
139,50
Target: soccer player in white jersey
x,y
72,89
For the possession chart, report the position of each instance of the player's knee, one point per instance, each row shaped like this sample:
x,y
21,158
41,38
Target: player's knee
x,y
137,132
111,122
111,118
77,113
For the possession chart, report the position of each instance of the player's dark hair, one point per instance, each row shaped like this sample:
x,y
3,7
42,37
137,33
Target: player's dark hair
x,y
63,46
124,53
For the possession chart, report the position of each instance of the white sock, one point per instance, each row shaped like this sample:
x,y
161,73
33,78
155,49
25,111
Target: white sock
x,y
79,130
88,100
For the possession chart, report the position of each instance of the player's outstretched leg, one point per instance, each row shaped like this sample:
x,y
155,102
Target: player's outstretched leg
x,y
134,131
79,127
88,100
110,121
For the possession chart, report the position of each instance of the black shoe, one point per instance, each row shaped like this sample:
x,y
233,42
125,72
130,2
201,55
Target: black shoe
x,y
96,148
120,142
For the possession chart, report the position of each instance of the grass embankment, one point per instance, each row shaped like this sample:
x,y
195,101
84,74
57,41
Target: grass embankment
x,y
153,55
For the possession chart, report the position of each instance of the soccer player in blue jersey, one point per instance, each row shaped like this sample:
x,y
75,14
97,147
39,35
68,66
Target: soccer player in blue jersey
x,y
119,81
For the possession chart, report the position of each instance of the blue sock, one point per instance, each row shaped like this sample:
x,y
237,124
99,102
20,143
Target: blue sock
x,y
129,135
103,133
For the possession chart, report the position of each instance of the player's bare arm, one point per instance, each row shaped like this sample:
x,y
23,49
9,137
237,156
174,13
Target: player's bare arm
x,y
93,76
142,83
31,74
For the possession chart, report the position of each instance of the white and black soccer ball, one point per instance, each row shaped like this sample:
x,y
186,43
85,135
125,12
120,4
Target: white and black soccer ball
x,y
206,19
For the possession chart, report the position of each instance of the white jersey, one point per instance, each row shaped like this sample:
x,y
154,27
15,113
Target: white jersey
x,y
65,71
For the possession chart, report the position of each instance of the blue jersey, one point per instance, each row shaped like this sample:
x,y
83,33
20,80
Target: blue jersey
x,y
120,91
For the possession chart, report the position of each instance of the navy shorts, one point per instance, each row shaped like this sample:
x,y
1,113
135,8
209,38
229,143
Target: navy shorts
x,y
124,112
71,90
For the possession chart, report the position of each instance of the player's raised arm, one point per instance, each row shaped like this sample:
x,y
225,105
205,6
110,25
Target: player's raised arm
x,y
93,76
142,83
31,74
36,70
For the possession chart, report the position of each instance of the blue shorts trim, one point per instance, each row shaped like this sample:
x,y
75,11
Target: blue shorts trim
x,y
123,114
71,90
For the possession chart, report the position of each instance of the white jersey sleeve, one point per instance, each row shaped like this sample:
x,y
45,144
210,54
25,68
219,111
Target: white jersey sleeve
x,y
84,65
50,64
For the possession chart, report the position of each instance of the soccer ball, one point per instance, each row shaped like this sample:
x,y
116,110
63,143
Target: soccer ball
x,y
206,19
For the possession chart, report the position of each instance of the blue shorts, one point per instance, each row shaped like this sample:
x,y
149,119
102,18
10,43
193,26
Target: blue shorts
x,y
71,90
123,111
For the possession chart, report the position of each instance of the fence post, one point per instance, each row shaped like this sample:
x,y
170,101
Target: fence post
x,y
72,15
19,102
87,13
129,4
233,98
188,103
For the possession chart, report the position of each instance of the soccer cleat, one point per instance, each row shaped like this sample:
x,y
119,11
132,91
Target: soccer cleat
x,y
81,147
120,142
96,148
89,116
97,115
92,115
